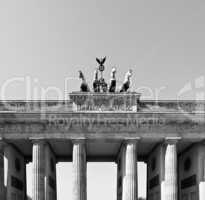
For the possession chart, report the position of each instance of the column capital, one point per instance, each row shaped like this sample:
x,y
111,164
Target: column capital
x,y
38,140
172,140
79,141
131,140
125,142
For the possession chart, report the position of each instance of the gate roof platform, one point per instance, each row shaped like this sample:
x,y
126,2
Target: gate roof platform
x,y
104,121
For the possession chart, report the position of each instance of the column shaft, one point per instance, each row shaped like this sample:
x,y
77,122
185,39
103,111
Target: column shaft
x,y
129,190
171,172
79,171
38,171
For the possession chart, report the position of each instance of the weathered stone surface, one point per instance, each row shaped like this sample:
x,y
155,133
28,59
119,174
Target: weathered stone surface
x,y
137,124
38,170
171,182
79,170
60,119
155,172
129,174
191,167
44,171
107,120
105,101
64,106
14,174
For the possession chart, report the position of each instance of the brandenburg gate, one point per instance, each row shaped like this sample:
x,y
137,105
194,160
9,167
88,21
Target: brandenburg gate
x,y
112,127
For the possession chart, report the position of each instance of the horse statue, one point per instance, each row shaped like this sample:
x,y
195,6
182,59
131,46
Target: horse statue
x,y
84,86
96,82
112,86
126,84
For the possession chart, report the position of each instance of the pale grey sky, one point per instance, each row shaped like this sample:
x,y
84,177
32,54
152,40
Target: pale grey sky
x,y
163,41
50,40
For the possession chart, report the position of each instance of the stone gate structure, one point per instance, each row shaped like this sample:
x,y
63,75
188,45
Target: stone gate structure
x,y
119,127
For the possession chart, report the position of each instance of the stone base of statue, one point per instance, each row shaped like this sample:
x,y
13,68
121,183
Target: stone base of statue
x,y
83,101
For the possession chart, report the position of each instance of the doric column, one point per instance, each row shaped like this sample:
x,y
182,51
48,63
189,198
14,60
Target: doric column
x,y
38,170
171,170
79,170
129,179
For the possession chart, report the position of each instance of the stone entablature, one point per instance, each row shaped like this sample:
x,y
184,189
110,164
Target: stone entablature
x,y
64,106
118,114
104,125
